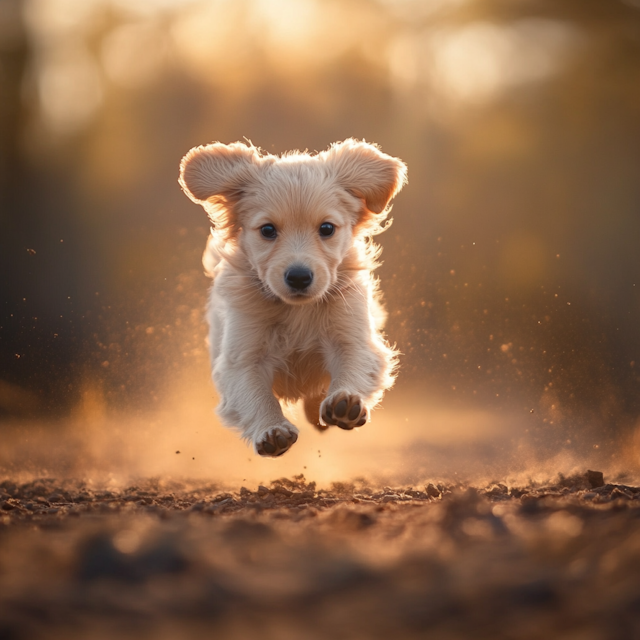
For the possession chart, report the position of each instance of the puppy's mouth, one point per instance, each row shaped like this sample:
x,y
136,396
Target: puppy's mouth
x,y
298,297
286,295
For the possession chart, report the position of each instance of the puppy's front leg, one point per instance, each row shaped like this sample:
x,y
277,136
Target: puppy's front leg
x,y
244,383
358,372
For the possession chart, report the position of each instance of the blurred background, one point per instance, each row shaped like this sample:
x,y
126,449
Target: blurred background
x,y
512,269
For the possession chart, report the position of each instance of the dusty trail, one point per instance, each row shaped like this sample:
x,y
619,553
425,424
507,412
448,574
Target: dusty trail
x,y
178,560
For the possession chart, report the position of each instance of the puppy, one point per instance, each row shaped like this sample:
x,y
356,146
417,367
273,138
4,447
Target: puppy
x,y
294,310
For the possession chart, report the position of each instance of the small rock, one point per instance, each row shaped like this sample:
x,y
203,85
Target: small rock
x,y
432,491
595,479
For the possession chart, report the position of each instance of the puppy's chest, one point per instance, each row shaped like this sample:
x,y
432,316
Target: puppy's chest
x,y
299,362
294,341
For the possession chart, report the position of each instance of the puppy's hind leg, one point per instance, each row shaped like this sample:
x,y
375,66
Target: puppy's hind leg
x,y
312,411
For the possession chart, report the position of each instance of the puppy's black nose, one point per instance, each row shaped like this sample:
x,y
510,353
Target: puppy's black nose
x,y
298,278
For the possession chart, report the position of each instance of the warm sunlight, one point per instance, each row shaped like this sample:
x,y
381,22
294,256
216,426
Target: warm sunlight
x,y
495,492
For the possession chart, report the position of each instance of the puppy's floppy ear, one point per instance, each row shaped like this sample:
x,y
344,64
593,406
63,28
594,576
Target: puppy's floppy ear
x,y
367,173
218,170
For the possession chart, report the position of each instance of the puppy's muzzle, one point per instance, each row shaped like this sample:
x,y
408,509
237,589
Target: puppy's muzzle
x,y
298,278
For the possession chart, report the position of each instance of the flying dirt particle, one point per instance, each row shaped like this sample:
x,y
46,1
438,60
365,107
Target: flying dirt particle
x,y
193,458
177,452
531,411
31,252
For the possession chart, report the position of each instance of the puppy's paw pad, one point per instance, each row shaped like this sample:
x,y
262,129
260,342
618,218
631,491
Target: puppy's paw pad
x,y
276,441
344,410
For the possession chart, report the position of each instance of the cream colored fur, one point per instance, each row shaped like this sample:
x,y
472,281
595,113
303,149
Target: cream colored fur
x,y
268,342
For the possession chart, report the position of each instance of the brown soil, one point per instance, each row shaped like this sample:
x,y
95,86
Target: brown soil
x,y
290,561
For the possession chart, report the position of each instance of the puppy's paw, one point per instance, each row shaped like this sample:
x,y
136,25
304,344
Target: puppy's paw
x,y
343,410
276,440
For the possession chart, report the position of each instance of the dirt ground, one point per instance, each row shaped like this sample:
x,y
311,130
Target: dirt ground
x,y
178,560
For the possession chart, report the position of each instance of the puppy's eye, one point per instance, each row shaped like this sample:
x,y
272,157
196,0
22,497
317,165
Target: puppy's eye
x,y
327,229
268,231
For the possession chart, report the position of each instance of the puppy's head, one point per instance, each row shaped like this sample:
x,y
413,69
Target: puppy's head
x,y
294,218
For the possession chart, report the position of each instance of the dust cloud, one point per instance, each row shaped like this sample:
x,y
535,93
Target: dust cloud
x,y
411,440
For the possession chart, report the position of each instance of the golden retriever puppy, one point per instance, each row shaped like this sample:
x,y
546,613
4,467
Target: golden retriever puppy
x,y
294,310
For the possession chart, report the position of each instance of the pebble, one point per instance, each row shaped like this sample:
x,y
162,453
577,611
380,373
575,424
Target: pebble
x,y
595,478
432,491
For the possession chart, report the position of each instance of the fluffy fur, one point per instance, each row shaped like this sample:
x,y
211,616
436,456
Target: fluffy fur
x,y
269,341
